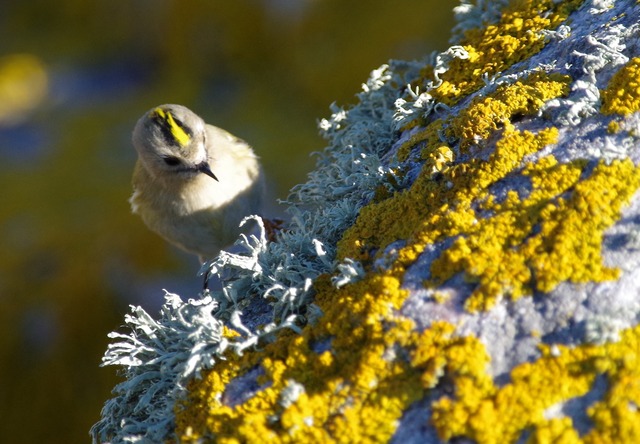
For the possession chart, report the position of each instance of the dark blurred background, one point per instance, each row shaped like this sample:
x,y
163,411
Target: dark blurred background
x,y
74,78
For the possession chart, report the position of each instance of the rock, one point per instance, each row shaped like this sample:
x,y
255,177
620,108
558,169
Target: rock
x,y
461,265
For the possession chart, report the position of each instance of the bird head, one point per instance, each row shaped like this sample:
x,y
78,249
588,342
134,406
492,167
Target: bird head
x,y
171,142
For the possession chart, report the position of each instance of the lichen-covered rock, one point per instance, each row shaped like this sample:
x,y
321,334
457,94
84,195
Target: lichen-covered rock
x,y
463,262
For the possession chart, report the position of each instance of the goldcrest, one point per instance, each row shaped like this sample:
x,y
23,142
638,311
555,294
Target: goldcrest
x,y
193,183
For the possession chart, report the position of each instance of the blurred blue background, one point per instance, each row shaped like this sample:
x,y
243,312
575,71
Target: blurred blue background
x,y
74,78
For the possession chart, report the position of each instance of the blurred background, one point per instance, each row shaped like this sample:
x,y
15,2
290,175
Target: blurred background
x,y
74,78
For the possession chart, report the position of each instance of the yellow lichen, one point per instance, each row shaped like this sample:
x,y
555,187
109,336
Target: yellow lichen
x,y
356,391
485,115
430,134
426,204
495,48
510,248
557,431
553,235
622,95
488,414
359,389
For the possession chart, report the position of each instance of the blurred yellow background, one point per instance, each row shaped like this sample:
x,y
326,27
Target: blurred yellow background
x,y
74,78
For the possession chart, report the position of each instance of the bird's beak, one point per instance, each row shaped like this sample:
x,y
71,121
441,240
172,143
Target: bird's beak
x,y
206,169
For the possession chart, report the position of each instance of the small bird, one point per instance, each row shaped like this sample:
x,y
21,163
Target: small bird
x,y
193,183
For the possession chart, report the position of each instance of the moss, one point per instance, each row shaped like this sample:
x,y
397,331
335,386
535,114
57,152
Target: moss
x,y
622,95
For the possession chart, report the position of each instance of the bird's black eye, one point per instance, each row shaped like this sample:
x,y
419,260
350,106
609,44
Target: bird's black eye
x,y
171,161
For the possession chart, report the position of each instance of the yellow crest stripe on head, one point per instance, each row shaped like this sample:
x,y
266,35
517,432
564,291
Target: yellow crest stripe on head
x,y
178,133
